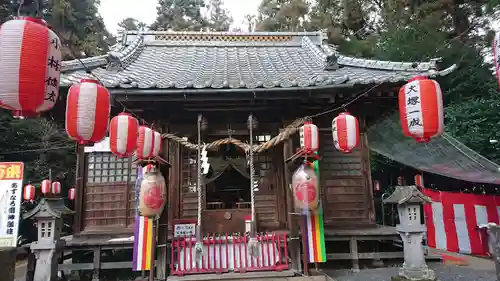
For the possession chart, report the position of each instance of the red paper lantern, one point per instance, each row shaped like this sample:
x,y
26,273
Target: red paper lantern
x,y
419,180
123,131
87,112
31,64
72,193
148,143
421,109
309,137
46,186
345,132
56,187
29,192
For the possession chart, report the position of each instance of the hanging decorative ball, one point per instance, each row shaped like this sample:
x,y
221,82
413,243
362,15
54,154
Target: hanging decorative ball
x,y
31,64
305,189
345,132
87,112
309,137
123,130
419,180
56,187
148,143
421,109
46,186
72,193
152,195
29,192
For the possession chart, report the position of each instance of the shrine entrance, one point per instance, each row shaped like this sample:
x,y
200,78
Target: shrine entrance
x,y
227,187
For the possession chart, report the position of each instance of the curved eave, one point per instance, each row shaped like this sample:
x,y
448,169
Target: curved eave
x,y
342,83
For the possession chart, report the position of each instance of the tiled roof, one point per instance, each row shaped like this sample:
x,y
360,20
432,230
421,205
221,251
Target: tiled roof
x,y
195,60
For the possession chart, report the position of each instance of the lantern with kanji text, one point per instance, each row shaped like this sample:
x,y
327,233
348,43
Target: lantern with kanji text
x,y
72,193
56,187
123,131
309,137
31,64
29,192
345,132
87,112
421,109
148,143
46,186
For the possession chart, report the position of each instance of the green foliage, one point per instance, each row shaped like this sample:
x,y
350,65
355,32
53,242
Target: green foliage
x,y
41,144
219,18
132,24
282,15
180,15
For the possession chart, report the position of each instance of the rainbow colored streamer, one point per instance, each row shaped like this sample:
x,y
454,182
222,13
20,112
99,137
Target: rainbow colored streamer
x,y
143,243
143,233
315,230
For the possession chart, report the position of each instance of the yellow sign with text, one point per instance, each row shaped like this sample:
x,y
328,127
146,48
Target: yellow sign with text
x,y
11,171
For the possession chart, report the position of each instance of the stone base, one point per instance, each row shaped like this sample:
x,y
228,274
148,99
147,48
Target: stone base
x,y
402,278
424,274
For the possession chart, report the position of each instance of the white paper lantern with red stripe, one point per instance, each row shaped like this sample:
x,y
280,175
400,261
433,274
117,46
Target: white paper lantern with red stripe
x,y
419,180
72,193
157,144
148,143
29,192
30,56
345,132
46,186
421,109
87,112
123,130
309,137
56,187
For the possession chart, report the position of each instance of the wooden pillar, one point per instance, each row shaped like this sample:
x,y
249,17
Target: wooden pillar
x,y
162,224
366,170
292,223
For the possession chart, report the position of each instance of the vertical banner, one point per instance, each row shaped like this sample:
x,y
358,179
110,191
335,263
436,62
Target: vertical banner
x,y
315,231
143,233
11,189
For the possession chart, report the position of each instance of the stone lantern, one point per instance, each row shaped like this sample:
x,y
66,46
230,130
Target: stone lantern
x,y
48,215
409,201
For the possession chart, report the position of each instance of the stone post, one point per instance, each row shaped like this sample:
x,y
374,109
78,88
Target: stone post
x,y
494,242
409,201
8,262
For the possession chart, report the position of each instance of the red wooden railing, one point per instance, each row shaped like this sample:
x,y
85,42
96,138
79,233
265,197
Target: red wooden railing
x,y
226,253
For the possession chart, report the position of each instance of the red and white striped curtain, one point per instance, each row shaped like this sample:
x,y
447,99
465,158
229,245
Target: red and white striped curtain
x,y
452,220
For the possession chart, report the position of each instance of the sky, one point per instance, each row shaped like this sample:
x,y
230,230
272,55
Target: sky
x,y
113,11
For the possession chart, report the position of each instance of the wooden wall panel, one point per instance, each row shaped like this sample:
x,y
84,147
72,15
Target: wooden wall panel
x,y
346,190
